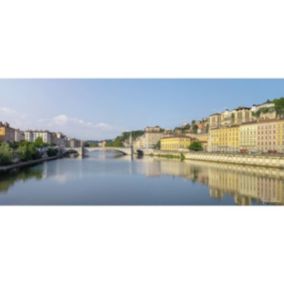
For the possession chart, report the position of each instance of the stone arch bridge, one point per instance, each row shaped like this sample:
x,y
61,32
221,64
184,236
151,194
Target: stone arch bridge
x,y
82,151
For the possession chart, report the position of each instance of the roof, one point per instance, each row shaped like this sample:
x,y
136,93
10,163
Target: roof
x,y
242,107
178,136
216,113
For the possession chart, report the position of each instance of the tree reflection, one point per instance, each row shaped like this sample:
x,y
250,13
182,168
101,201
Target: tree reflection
x,y
9,179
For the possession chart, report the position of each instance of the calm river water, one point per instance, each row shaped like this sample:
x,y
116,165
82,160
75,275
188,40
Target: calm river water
x,y
105,179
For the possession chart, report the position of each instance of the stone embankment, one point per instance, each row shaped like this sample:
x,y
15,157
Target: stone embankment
x,y
26,164
275,161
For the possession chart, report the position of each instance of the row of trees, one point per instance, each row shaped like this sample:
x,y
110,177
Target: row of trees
x,y
24,151
124,138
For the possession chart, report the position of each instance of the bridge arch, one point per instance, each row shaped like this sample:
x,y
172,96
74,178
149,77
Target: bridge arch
x,y
123,151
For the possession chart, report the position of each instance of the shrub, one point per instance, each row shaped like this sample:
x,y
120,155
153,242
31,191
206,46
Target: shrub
x,y
195,146
52,152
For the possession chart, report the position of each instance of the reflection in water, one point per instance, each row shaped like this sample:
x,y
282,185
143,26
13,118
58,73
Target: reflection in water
x,y
103,175
8,179
244,183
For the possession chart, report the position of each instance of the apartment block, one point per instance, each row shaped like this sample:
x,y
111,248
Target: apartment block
x,y
225,139
214,120
7,133
19,135
248,137
29,136
176,143
267,136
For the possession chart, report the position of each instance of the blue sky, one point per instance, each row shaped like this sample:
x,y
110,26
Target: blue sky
x,y
98,109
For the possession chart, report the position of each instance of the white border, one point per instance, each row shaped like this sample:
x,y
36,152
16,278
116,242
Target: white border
x,y
150,38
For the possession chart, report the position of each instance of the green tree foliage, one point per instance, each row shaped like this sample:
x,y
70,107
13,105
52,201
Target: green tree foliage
x,y
195,146
124,137
28,151
39,143
6,154
91,144
14,145
158,146
279,106
52,152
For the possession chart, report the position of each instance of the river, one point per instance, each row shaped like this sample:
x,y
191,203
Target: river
x,y
107,179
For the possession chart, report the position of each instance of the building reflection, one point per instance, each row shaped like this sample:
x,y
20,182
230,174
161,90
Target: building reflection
x,y
246,185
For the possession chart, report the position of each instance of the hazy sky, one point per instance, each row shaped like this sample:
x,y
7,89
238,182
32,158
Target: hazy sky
x,y
98,109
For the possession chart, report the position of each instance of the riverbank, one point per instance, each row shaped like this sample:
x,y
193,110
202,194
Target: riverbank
x,y
27,164
273,161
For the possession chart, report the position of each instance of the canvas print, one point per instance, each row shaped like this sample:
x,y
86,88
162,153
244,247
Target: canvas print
x,y
141,142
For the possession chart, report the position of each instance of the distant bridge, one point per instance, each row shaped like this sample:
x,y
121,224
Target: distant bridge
x,y
80,150
129,151
125,151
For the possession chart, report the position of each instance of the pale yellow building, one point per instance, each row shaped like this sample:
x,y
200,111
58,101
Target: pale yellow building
x,y
202,138
225,139
248,137
176,143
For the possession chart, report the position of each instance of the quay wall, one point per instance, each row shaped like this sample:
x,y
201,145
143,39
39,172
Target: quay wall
x,y
251,160
27,164
273,161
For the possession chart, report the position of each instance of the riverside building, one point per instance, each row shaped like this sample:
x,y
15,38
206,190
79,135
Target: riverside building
x,y
264,136
19,135
225,139
150,138
176,143
7,133
248,137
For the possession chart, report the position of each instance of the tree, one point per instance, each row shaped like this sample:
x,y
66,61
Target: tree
x,y
195,146
52,152
158,146
6,154
28,151
39,143
124,137
279,106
